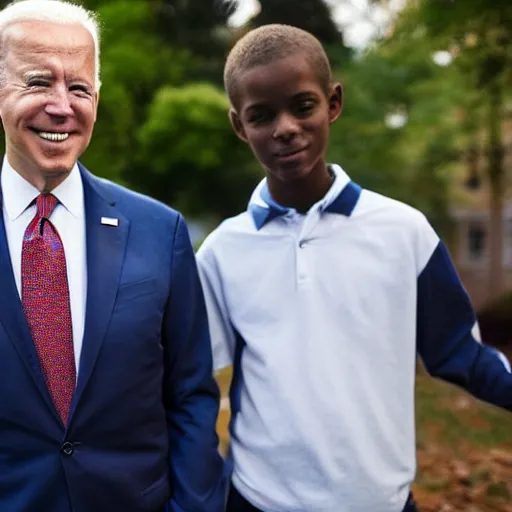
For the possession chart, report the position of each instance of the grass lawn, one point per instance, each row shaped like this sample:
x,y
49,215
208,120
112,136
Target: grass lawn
x,y
464,449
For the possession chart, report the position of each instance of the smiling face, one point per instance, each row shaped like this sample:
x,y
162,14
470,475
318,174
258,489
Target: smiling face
x,y
48,100
284,114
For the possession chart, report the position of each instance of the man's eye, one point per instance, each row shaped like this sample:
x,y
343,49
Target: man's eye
x,y
38,82
79,88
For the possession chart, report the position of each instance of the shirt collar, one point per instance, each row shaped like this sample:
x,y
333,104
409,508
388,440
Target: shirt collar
x,y
341,198
18,193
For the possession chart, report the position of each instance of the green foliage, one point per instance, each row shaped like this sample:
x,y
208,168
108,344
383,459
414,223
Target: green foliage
x,y
412,163
200,28
481,29
360,140
187,116
191,153
109,151
174,143
311,15
134,65
133,53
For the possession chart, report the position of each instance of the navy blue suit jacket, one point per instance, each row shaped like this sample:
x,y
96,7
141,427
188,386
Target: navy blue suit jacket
x,y
141,433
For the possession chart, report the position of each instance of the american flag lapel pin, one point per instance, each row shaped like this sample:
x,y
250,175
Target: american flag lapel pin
x,y
109,221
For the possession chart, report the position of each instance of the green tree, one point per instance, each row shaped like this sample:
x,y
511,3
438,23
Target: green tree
x,y
482,33
313,16
199,27
134,64
411,163
192,157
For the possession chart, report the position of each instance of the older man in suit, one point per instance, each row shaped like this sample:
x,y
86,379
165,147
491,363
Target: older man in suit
x,y
107,400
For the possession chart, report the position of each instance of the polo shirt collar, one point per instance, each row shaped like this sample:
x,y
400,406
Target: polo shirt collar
x,y
341,198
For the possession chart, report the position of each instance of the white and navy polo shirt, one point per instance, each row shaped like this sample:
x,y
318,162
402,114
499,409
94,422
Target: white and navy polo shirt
x,y
322,316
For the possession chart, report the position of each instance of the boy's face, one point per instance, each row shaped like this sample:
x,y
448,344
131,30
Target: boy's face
x,y
284,114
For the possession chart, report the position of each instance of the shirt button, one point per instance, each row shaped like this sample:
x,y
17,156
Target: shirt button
x,y
67,448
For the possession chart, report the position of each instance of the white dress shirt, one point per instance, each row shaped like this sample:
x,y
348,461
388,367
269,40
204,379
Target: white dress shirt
x,y
69,220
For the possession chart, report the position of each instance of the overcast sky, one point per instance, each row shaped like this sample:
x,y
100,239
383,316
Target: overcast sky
x,y
358,21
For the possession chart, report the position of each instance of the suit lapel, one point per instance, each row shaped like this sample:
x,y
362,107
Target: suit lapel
x,y
106,245
13,319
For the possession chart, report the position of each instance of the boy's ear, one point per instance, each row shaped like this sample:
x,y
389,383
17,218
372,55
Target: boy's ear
x,y
335,102
237,124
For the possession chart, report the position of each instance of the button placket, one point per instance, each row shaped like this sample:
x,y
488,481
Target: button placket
x,y
310,222
305,237
302,260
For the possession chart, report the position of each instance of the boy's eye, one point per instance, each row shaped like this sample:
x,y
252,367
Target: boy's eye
x,y
259,117
305,106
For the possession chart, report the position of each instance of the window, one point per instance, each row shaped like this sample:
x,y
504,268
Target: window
x,y
476,241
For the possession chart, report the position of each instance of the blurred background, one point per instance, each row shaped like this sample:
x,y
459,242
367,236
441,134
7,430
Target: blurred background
x,y
427,120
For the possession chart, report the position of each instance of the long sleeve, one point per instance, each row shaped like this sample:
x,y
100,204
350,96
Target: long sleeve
x,y
190,391
446,335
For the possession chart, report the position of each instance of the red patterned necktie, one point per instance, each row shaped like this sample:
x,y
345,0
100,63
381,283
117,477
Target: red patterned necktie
x,y
45,297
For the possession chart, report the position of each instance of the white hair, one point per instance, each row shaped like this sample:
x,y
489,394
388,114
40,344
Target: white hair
x,y
52,11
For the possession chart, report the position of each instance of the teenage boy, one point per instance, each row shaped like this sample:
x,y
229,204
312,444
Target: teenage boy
x,y
320,295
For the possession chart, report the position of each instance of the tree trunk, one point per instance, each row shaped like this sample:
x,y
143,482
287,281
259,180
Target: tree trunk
x,y
496,180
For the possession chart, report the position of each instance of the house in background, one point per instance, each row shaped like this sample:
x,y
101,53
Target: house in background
x,y
470,214
469,247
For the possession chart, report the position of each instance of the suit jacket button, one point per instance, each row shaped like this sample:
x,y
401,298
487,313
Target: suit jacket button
x,y
67,448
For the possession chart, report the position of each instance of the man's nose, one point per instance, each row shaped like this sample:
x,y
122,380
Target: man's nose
x,y
59,104
286,127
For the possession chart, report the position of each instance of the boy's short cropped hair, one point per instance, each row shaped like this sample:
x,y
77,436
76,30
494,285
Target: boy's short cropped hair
x,y
268,43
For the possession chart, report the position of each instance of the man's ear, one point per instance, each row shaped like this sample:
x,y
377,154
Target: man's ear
x,y
96,101
335,101
1,101
237,125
